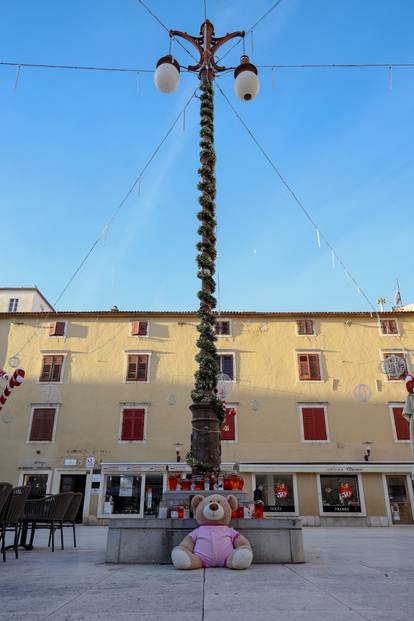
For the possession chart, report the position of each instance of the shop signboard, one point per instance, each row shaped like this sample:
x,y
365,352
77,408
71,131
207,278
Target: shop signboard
x,y
273,509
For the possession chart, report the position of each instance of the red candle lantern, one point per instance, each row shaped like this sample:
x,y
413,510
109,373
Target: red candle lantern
x,y
228,483
185,485
172,483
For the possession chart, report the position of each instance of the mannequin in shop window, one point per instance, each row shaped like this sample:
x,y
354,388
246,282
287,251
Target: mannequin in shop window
x,y
258,494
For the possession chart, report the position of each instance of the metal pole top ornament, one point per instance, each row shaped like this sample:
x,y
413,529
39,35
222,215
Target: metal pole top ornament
x,y
208,409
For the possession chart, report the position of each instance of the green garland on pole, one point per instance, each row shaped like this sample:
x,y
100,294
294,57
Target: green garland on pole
x,y
206,376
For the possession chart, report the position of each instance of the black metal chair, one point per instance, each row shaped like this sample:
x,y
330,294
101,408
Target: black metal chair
x,y
11,516
5,491
70,516
47,513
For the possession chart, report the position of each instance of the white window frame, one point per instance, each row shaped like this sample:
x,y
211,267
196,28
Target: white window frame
x,y
236,424
389,319
322,513
131,406
137,352
43,406
139,336
15,305
30,471
391,405
283,514
53,352
314,333
302,429
224,336
59,336
102,494
298,352
223,352
395,350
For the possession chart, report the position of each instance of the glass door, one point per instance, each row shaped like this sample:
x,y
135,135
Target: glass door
x,y
400,505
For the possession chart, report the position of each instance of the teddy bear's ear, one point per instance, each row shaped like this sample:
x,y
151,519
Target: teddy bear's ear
x,y
195,502
232,500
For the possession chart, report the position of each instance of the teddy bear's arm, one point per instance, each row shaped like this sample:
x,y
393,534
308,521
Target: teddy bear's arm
x,y
187,543
241,541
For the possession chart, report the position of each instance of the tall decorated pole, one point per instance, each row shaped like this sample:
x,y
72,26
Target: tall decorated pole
x,y
207,410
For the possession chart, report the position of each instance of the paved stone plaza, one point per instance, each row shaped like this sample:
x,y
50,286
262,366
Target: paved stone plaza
x,y
350,574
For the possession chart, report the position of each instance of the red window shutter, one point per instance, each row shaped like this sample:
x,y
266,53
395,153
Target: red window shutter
x,y
132,368
389,326
304,369
402,427
56,368
42,425
133,424
60,328
308,326
135,328
301,326
314,427
315,371
143,328
142,368
46,372
228,427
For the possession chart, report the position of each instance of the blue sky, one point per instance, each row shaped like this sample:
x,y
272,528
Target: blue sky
x,y
73,142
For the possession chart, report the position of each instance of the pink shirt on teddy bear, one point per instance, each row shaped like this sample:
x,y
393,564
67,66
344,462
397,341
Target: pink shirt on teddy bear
x,y
214,544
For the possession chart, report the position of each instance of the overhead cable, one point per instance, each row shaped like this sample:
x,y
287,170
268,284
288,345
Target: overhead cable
x,y
123,201
272,8
161,23
319,234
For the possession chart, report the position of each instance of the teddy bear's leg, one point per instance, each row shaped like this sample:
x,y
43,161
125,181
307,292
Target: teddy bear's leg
x,y
184,559
241,558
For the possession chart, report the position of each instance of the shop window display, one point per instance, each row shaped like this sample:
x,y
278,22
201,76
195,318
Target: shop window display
x,y
278,496
123,495
340,494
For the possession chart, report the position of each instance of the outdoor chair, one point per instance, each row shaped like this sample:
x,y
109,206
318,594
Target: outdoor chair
x,y
11,516
5,491
47,513
70,515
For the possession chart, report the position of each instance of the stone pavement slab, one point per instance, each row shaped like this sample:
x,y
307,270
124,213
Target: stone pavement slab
x,y
351,574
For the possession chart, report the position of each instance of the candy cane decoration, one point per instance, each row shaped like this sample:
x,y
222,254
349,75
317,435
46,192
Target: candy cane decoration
x,y
14,382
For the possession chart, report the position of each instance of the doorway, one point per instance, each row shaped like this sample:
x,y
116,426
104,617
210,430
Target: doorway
x,y
74,483
399,499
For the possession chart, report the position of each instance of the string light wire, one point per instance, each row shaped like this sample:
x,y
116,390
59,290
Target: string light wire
x,y
320,235
7,63
161,23
105,228
272,8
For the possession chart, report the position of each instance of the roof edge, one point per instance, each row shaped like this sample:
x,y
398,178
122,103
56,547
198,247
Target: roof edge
x,y
247,314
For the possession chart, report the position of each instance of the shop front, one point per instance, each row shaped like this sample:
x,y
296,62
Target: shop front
x,y
366,494
131,490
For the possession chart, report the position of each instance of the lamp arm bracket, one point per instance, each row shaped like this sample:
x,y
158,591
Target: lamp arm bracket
x,y
207,45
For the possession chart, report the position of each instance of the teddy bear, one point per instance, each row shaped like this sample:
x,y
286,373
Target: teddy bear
x,y
214,543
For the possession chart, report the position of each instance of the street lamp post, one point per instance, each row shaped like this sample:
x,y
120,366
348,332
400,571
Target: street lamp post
x,y
207,410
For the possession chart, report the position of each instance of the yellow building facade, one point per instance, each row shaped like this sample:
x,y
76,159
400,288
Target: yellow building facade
x,y
106,398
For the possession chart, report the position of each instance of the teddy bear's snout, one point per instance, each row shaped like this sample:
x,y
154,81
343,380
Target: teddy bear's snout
x,y
214,506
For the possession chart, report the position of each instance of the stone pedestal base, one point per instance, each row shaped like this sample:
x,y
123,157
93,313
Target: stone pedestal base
x,y
150,541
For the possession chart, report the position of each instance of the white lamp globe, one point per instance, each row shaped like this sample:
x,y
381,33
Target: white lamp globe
x,y
167,74
247,83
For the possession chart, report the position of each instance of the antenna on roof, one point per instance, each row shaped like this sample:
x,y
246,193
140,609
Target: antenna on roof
x,y
381,302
